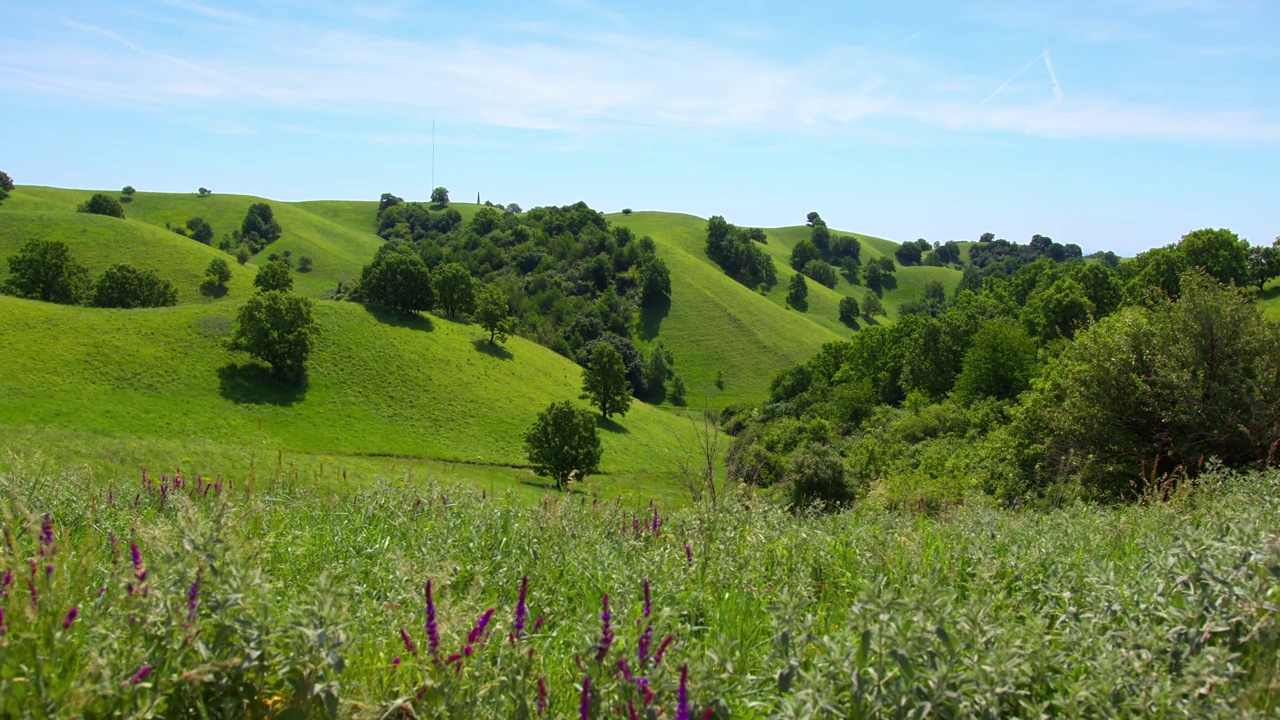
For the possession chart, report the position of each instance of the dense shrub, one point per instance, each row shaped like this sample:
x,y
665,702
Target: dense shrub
x,y
124,286
44,270
563,444
274,276
102,204
278,329
397,279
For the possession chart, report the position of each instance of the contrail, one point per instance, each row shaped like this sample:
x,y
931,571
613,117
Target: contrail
x,y
1053,75
1005,84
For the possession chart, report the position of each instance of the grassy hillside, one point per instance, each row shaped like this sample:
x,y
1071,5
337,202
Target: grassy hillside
x,y
97,241
377,386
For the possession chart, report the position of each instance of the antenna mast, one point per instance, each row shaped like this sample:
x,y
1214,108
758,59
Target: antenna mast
x,y
433,153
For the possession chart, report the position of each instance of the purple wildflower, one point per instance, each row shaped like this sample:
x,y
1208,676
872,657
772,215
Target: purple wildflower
x,y
46,534
5,582
606,630
584,709
656,521
522,610
4,629
482,623
662,649
433,629
408,643
682,699
537,624
642,647
395,661
688,553
648,606
141,675
542,696
631,710
626,672
70,619
137,558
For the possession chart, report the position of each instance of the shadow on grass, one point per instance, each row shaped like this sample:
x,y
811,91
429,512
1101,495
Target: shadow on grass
x,y
852,324
800,305
413,321
492,349
1270,293
870,320
213,291
651,319
890,282
253,384
550,486
611,426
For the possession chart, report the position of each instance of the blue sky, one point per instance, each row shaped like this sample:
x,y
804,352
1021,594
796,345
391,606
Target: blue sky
x,y
1115,125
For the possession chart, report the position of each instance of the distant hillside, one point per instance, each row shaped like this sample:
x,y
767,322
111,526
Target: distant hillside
x,y
377,385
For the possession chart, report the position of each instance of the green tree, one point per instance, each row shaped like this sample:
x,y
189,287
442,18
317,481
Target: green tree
x,y
1264,264
440,196
6,182
388,200
243,254
218,274
970,279
304,264
493,313
797,290
605,382
563,444
849,310
398,280
1221,253
128,192
124,286
201,230
908,253
259,227
274,276
204,192
999,363
677,390
820,272
455,290
803,253
655,281
102,204
278,329
657,370
871,306
44,270
819,474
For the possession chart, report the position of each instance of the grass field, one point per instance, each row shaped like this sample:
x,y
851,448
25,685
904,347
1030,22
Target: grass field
x,y
378,385
276,597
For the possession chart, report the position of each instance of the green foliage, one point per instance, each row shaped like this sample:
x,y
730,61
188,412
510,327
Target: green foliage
x,y
563,444
243,254
493,313
736,250
259,227
455,291
654,280
818,474
849,310
274,276
440,196
1220,253
124,286
128,191
387,200
218,274
908,253
277,328
999,363
201,230
871,306
804,253
604,381
398,280
304,264
821,272
657,370
1059,311
626,211
102,204
797,290
204,192
1151,391
6,182
677,390
1264,263
44,270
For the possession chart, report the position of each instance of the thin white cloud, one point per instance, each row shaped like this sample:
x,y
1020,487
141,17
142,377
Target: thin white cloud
x,y
207,11
1053,75
1015,76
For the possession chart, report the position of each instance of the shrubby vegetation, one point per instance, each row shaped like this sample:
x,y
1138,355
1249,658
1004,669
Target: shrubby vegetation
x,y
1061,378
6,185
102,204
124,286
44,270
278,328
563,444
734,249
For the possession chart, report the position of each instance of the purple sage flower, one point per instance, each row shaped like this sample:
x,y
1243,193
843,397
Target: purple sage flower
x,y
433,629
542,696
137,558
688,553
522,610
662,649
395,661
5,582
584,708
606,630
482,623
631,710
537,624
682,699
648,606
642,647
70,619
141,675
408,643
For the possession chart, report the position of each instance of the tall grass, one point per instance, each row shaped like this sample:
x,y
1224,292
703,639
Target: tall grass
x,y
255,597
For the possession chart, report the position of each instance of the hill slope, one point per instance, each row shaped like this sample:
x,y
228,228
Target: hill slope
x,y
421,388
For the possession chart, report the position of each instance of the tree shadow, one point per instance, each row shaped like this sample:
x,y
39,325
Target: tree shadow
x,y
801,305
1271,292
889,282
870,320
492,349
852,324
612,426
651,319
413,321
213,291
253,384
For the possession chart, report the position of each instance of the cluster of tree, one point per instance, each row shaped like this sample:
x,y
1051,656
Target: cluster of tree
x,y
1138,375
102,204
1001,257
276,326
6,185
45,270
816,255
920,252
197,228
736,251
258,230
127,191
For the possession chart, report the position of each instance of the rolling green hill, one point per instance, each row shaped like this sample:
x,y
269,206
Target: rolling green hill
x,y
377,385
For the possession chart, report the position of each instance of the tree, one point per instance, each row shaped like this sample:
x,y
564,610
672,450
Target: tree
x,y
821,272
128,192
398,280
204,192
1059,310
1264,263
440,196
259,227
999,363
626,211
201,230
124,286
102,204
388,200
6,182
218,274
871,306
304,264
243,254
970,279
493,313
849,310
987,237
563,444
657,371
44,270
1220,252
455,291
275,276
513,208
655,281
605,383
677,390
804,252
908,253
819,474
278,329
797,290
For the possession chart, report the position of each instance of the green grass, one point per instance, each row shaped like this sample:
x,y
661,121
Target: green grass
x,y
378,385
1161,610
97,241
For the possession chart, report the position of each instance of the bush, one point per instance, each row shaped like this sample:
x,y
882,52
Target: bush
x,y
259,227
218,274
626,211
396,280
102,204
304,264
278,329
818,474
275,276
124,286
201,230
44,270
455,290
563,443
820,272
797,290
849,310
999,363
